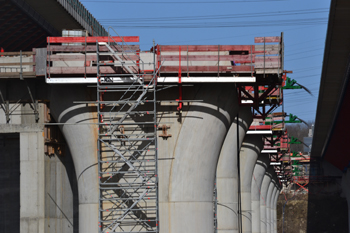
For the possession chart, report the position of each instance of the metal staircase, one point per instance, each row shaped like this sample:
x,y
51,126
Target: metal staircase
x,y
127,141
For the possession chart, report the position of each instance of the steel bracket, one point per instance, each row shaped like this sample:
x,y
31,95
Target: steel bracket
x,y
164,133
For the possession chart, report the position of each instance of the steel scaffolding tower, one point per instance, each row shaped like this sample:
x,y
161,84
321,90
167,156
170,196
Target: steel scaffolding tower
x,y
127,141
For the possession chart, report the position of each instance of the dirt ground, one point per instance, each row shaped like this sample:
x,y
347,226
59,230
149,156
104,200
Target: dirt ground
x,y
305,213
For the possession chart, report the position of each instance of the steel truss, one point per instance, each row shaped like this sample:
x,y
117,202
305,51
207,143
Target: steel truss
x,y
127,142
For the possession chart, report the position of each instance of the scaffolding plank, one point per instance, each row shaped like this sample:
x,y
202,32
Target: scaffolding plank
x,y
207,48
208,69
269,39
267,64
89,70
16,53
236,58
92,39
12,74
89,48
82,57
17,64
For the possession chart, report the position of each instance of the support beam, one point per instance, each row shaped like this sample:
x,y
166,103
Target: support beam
x,y
227,173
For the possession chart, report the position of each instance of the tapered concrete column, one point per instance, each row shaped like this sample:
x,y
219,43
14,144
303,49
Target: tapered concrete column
x,y
270,209
264,189
258,175
227,173
82,141
251,148
186,198
274,224
268,203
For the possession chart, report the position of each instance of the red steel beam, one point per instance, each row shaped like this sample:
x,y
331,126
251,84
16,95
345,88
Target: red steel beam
x,y
91,39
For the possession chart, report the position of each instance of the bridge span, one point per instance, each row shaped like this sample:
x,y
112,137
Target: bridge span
x,y
167,140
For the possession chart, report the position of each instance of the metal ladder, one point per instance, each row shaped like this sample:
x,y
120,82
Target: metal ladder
x,y
127,142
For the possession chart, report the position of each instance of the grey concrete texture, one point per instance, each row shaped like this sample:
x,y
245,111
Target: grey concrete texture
x,y
82,142
187,206
274,211
227,173
263,201
259,171
250,150
61,195
270,210
32,198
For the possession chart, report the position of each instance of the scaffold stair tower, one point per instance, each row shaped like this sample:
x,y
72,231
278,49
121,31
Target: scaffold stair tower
x,y
127,141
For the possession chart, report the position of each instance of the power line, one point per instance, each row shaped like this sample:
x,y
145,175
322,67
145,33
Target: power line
x,y
215,17
182,2
315,21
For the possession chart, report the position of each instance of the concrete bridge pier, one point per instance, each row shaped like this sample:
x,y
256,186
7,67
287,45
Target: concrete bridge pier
x,y
227,173
82,142
187,175
251,148
259,171
263,201
269,207
274,210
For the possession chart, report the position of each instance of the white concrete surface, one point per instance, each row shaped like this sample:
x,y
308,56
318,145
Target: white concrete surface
x,y
227,173
250,150
259,171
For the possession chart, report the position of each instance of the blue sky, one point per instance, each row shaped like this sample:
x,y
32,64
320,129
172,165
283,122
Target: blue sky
x,y
304,23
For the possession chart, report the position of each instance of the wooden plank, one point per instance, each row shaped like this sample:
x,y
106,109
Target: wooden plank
x,y
17,64
206,48
236,58
16,53
268,65
89,70
81,57
268,59
269,39
268,71
273,52
207,69
89,48
268,47
92,39
11,74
